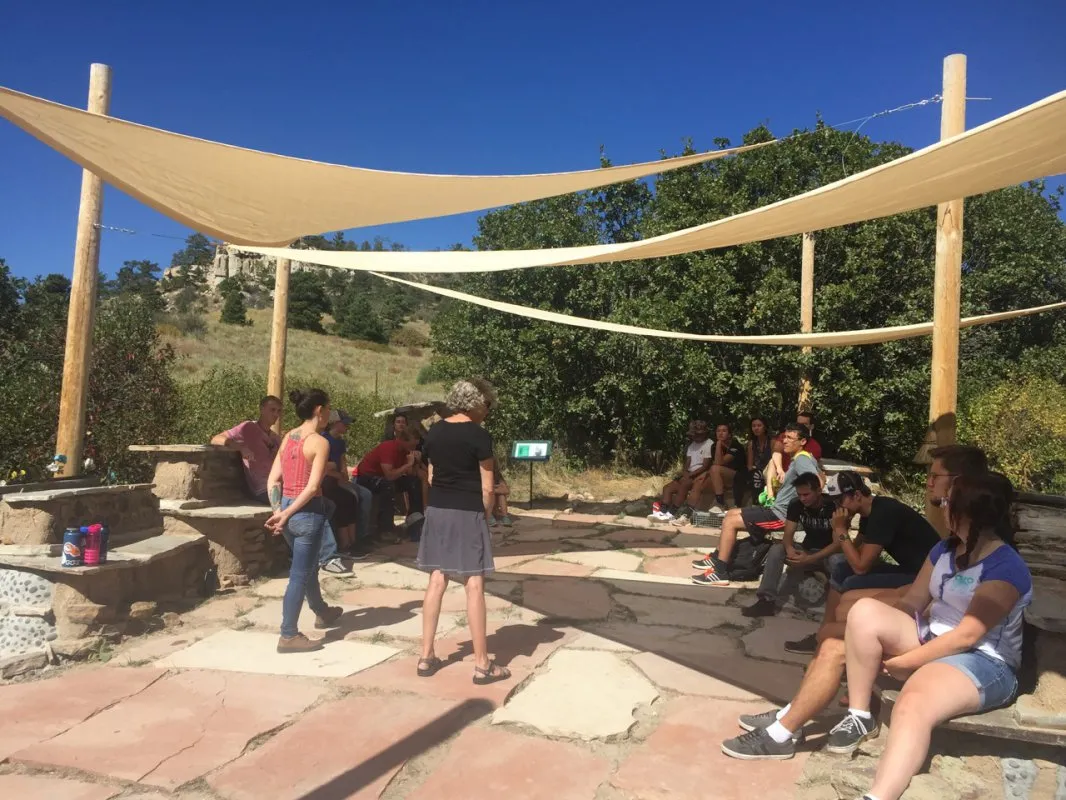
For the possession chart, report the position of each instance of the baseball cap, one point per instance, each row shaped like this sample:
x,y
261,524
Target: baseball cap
x,y
339,415
843,483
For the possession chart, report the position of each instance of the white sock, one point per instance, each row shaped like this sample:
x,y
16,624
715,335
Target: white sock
x,y
869,796
863,715
783,711
779,733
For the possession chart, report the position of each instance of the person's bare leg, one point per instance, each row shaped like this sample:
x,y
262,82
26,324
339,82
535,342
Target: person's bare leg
x,y
668,493
932,695
717,480
731,525
476,619
874,631
820,684
438,582
501,504
696,491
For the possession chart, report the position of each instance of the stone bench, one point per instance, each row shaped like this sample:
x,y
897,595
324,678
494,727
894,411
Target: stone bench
x,y
196,472
38,514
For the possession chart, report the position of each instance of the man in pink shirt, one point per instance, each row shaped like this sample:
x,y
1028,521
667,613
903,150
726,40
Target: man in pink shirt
x,y
257,444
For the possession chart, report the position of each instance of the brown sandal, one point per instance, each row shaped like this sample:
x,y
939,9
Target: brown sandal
x,y
494,672
431,665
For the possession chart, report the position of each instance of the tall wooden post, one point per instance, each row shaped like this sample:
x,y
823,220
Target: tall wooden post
x,y
944,388
806,312
279,333
77,354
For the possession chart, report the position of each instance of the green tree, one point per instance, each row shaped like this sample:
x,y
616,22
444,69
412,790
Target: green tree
x,y
140,278
198,251
604,395
307,301
355,319
9,299
234,311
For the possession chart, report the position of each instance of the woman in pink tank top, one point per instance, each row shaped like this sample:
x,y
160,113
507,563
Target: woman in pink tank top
x,y
300,515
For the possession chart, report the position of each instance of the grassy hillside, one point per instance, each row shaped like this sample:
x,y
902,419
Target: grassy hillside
x,y
357,365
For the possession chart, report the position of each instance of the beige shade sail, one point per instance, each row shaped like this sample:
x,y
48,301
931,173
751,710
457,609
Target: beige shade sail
x,y
1026,144
835,339
250,197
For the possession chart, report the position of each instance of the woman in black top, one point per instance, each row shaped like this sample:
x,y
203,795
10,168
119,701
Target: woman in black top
x,y
760,450
456,541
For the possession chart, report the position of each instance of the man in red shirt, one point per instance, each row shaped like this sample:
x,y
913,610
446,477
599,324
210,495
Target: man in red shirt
x,y
379,470
812,446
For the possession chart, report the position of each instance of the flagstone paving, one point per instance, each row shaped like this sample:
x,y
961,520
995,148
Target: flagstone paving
x,y
626,678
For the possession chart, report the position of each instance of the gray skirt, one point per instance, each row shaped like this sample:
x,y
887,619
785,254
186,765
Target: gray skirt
x,y
455,542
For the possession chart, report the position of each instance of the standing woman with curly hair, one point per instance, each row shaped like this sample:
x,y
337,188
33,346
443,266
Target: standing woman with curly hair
x,y
295,491
456,542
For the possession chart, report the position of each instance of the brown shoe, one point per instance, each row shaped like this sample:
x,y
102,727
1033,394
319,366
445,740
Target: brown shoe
x,y
298,644
329,617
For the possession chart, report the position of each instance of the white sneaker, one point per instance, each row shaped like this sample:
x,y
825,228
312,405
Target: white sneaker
x,y
666,516
681,521
716,510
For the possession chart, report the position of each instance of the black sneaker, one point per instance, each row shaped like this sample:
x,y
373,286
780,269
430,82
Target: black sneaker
x,y
751,722
757,745
763,607
711,578
851,732
703,563
804,647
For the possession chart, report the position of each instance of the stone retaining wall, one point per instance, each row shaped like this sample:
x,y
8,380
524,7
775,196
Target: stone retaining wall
x,y
40,517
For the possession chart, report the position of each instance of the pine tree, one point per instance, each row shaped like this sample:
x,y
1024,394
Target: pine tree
x,y
356,318
233,309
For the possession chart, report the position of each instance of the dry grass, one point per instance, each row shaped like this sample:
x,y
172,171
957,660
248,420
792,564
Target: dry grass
x,y
364,365
553,480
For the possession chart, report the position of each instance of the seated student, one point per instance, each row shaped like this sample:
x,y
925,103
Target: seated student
x,y
501,490
729,457
351,517
699,455
759,451
257,443
379,471
780,458
813,512
963,654
821,681
758,521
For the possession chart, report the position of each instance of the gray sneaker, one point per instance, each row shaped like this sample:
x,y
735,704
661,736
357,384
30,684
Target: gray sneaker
x,y
751,722
757,745
336,567
851,732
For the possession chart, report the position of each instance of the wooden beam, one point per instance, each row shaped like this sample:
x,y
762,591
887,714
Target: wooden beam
x,y
70,437
944,385
806,312
279,333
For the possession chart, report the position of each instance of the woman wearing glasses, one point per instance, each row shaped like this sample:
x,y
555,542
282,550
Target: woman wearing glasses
x,y
456,542
962,657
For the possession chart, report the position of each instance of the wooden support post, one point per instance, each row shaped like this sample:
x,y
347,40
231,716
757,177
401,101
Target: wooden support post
x,y
944,386
806,312
70,436
279,333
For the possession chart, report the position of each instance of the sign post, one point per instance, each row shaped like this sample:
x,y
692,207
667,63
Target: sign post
x,y
532,451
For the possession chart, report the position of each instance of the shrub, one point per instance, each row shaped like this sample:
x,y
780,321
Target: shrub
x,y
234,311
433,372
410,336
194,325
1021,423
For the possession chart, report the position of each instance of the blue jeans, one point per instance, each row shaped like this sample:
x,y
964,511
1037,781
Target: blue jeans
x,y
995,680
881,575
304,533
366,500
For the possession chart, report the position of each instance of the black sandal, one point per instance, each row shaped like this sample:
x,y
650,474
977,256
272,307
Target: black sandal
x,y
432,664
494,672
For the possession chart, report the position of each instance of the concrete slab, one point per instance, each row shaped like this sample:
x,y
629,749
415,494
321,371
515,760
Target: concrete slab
x,y
547,533
678,566
178,729
768,641
591,641
505,563
39,710
660,611
609,559
548,566
275,587
513,766
253,651
222,609
44,787
140,652
628,536
668,674
663,765
584,694
663,586
348,749
396,576
567,598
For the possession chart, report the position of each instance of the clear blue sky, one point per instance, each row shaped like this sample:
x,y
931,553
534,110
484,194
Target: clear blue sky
x,y
485,87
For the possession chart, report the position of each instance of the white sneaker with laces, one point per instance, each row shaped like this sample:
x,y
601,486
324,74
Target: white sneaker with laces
x,y
717,511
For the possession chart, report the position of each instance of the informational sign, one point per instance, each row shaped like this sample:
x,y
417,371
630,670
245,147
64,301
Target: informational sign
x,y
534,450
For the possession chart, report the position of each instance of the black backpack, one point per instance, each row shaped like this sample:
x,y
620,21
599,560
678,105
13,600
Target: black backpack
x,y
749,555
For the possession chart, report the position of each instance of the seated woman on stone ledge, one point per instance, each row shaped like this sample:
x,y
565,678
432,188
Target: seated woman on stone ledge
x,y
960,659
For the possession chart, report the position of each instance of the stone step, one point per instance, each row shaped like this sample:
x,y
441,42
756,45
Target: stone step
x,y
41,496
123,556
198,509
40,517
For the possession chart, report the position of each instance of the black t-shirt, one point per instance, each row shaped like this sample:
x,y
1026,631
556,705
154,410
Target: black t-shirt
x,y
817,523
739,453
905,534
455,449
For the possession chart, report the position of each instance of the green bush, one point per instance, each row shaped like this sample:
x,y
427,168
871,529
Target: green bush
x,y
190,324
228,395
433,372
409,336
1021,423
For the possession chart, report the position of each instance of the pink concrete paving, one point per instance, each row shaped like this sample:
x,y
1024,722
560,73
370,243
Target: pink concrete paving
x,y
17,787
348,749
547,566
178,729
33,712
679,566
493,764
683,758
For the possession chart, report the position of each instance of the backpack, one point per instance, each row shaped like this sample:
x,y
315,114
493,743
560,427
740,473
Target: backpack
x,y
749,555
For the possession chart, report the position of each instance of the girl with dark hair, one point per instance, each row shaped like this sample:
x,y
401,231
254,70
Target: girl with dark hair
x,y
760,451
960,659
300,514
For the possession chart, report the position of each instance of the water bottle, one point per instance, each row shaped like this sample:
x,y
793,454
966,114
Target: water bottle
x,y
105,537
73,539
92,545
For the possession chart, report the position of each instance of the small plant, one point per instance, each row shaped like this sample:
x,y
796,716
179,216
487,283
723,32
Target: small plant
x,y
378,638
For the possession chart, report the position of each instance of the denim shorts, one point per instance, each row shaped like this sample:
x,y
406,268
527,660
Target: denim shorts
x,y
995,680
